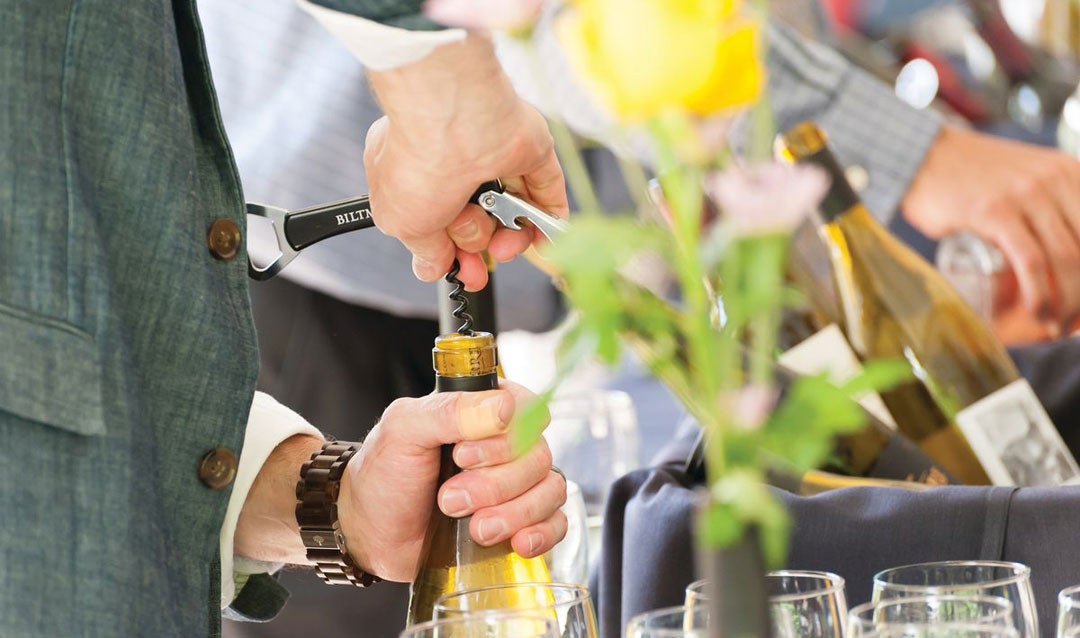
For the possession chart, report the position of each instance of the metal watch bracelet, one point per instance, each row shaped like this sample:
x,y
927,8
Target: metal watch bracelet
x,y
316,513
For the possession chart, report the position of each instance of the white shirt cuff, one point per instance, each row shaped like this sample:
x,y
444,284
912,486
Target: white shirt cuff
x,y
269,423
380,47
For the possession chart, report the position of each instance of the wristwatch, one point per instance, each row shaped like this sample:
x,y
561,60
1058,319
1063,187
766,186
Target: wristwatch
x,y
316,512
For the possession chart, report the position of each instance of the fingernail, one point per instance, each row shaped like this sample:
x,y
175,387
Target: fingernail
x,y
468,455
491,528
536,541
422,268
467,231
455,502
490,416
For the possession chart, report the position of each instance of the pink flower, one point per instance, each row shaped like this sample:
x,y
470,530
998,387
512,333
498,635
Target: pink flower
x,y
750,405
766,199
483,15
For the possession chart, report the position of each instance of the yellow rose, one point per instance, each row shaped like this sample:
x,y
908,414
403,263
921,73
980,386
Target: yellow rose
x,y
646,56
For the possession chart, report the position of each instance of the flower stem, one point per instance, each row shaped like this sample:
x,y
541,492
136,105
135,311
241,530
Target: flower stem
x,y
577,174
762,123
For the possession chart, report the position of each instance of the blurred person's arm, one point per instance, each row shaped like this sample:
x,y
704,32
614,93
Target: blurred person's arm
x,y
453,121
1023,198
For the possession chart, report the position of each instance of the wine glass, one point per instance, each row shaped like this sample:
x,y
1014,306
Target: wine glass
x,y
1011,581
568,561
1068,619
947,630
801,603
671,622
594,440
806,604
939,610
490,625
567,604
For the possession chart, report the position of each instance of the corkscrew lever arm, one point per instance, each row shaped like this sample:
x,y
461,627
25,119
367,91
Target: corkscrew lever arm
x,y
508,209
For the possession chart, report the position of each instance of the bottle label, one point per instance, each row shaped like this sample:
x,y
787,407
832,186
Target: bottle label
x,y
1015,440
828,351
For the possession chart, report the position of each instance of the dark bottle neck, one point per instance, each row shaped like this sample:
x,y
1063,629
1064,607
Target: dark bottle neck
x,y
466,384
841,197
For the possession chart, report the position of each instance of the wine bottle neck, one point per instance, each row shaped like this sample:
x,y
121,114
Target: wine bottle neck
x,y
841,197
477,383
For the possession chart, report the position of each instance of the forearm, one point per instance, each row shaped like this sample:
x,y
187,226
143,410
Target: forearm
x,y
437,98
267,529
867,124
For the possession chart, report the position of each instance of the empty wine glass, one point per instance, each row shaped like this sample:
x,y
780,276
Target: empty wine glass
x,y
568,561
567,604
929,610
948,630
1011,581
802,604
698,594
806,604
1068,619
594,439
492,625
671,622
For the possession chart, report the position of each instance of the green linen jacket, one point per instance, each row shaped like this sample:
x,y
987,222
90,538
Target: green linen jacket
x,y
127,351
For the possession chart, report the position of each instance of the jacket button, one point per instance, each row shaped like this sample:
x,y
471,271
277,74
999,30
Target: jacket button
x,y
223,239
218,468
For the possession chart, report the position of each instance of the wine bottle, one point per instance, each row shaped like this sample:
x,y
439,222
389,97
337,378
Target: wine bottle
x,y
451,560
811,344
968,408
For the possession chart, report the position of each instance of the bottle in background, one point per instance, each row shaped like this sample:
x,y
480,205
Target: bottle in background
x,y
969,409
451,560
812,343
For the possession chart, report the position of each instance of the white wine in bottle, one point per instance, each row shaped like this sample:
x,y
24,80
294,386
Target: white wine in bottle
x,y
451,560
969,410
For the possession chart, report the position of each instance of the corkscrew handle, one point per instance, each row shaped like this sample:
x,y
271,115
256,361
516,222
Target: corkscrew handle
x,y
296,230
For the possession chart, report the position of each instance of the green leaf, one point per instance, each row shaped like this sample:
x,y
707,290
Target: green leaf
x,y
878,375
530,421
740,500
801,429
719,526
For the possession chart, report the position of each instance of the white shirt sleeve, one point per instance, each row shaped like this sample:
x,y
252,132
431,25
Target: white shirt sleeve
x,y
379,46
269,423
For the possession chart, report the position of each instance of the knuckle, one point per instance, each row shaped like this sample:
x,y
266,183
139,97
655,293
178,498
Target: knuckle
x,y
532,512
1033,261
486,491
543,457
560,524
447,405
396,411
560,482
1028,186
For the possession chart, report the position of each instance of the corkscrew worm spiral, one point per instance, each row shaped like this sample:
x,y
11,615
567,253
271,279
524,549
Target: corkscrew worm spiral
x,y
458,295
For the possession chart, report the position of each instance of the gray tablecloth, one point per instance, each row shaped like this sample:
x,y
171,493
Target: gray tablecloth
x,y
647,558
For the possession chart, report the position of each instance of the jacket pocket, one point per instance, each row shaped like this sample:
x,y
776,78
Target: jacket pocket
x,y
50,372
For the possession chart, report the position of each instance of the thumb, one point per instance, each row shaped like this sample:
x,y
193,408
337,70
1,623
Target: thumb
x,y
449,417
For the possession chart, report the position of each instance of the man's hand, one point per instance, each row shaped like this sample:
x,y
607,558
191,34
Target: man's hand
x,y
452,122
1024,199
387,499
